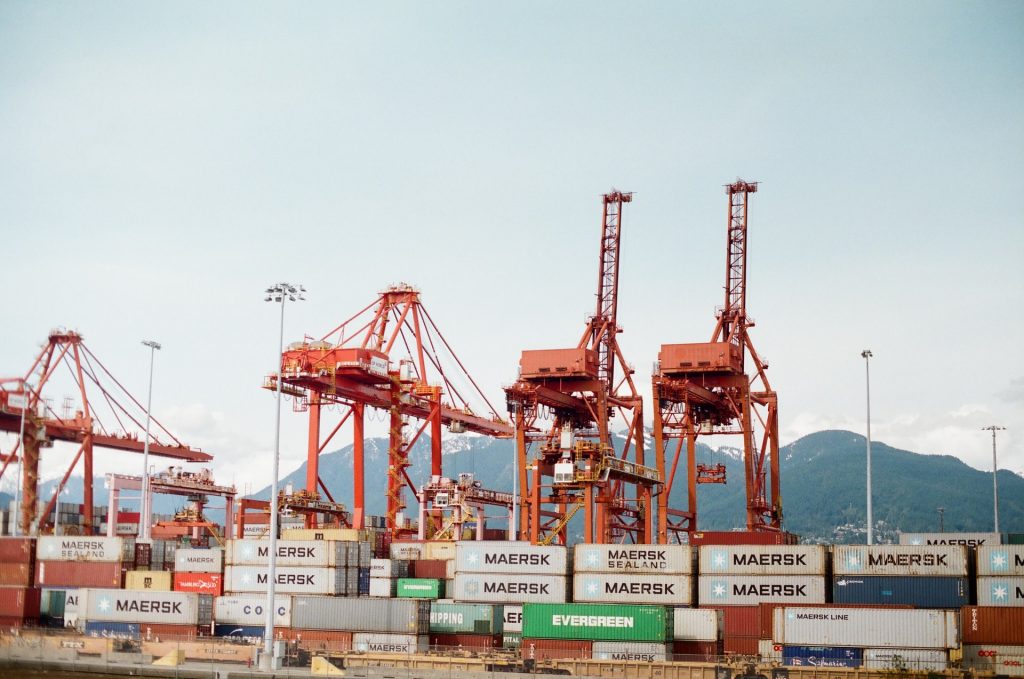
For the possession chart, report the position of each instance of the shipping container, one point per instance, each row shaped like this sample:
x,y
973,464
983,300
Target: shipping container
x,y
865,627
633,559
406,551
697,624
742,537
1001,660
992,625
199,560
363,583
92,549
1001,560
338,534
480,619
122,605
766,614
392,616
596,622
667,590
383,587
740,645
438,570
16,574
153,580
902,659
150,631
20,602
921,591
512,640
965,539
389,568
769,650
79,574
510,557
304,553
821,656
750,590
200,583
376,642
71,608
696,651
465,641
112,630
1000,591
554,649
513,618
901,560
52,602
288,579
559,363
502,588
763,559
251,609
639,651
420,588
739,621
319,640
17,550
247,634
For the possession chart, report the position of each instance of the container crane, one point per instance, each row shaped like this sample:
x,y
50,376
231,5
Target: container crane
x,y
704,389
576,465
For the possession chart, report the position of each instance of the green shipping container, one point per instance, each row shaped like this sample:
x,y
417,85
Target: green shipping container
x,y
420,588
511,640
448,618
596,622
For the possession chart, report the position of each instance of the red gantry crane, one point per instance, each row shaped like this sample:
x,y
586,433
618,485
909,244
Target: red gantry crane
x,y
389,356
704,389
576,465
21,397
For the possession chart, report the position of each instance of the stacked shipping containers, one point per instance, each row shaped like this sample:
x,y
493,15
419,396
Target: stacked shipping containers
x,y
199,571
326,567
70,561
925,576
577,630
1001,575
143,614
993,639
697,634
469,626
19,601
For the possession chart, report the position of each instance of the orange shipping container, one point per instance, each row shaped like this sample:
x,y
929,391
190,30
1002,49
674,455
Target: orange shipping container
x,y
17,550
107,574
17,602
992,625
576,363
15,574
555,649
203,583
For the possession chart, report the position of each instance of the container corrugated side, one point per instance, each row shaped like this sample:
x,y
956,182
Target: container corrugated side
x,y
478,556
20,602
96,549
513,618
640,651
1001,560
596,622
697,624
339,534
392,616
554,649
899,560
288,579
750,590
865,627
763,559
199,560
383,587
376,642
79,574
667,590
965,539
466,641
633,559
921,591
419,588
1008,660
389,568
148,580
16,574
502,588
992,625
17,549
1000,591
251,609
452,618
304,553
438,550
902,659
122,605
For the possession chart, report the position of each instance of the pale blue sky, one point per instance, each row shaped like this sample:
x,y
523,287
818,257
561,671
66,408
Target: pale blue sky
x,y
162,163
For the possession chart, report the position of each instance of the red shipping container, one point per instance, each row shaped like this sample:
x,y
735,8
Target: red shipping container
x,y
997,625
424,568
15,574
157,632
17,550
740,645
316,640
739,621
696,651
203,583
9,622
477,641
744,537
16,602
79,574
555,649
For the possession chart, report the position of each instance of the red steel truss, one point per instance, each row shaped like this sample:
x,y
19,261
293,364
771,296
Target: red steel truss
x,y
704,389
575,465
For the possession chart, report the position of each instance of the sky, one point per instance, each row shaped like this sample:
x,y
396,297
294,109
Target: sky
x,y
162,164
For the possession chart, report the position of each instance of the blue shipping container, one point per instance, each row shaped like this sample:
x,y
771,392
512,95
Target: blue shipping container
x,y
364,582
919,591
112,630
249,633
822,656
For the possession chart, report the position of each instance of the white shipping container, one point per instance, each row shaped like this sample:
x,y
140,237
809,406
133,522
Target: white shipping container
x,y
763,559
1008,660
73,548
341,534
306,553
513,619
965,539
751,590
71,607
406,550
506,588
199,560
479,556
289,579
384,587
865,627
633,559
769,650
899,560
389,568
914,659
1000,591
390,643
630,650
145,606
251,609
697,624
1001,560
438,550
666,590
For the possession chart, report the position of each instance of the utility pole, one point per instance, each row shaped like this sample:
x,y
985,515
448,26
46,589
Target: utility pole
x,y
995,486
941,511
866,354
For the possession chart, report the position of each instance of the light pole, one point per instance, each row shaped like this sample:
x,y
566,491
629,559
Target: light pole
x,y
942,512
144,513
866,355
280,293
995,486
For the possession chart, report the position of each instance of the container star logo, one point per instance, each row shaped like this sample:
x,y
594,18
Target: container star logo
x,y
719,590
592,587
915,541
247,551
51,548
592,558
999,591
246,579
104,604
1000,561
718,559
472,587
853,562
472,558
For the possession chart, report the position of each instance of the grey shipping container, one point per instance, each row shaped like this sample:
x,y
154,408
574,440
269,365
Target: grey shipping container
x,y
697,624
899,560
304,553
630,650
288,579
251,609
390,643
1001,591
763,559
915,659
627,588
73,548
865,627
965,539
391,616
1001,560
633,559
125,605
751,590
479,556
509,588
